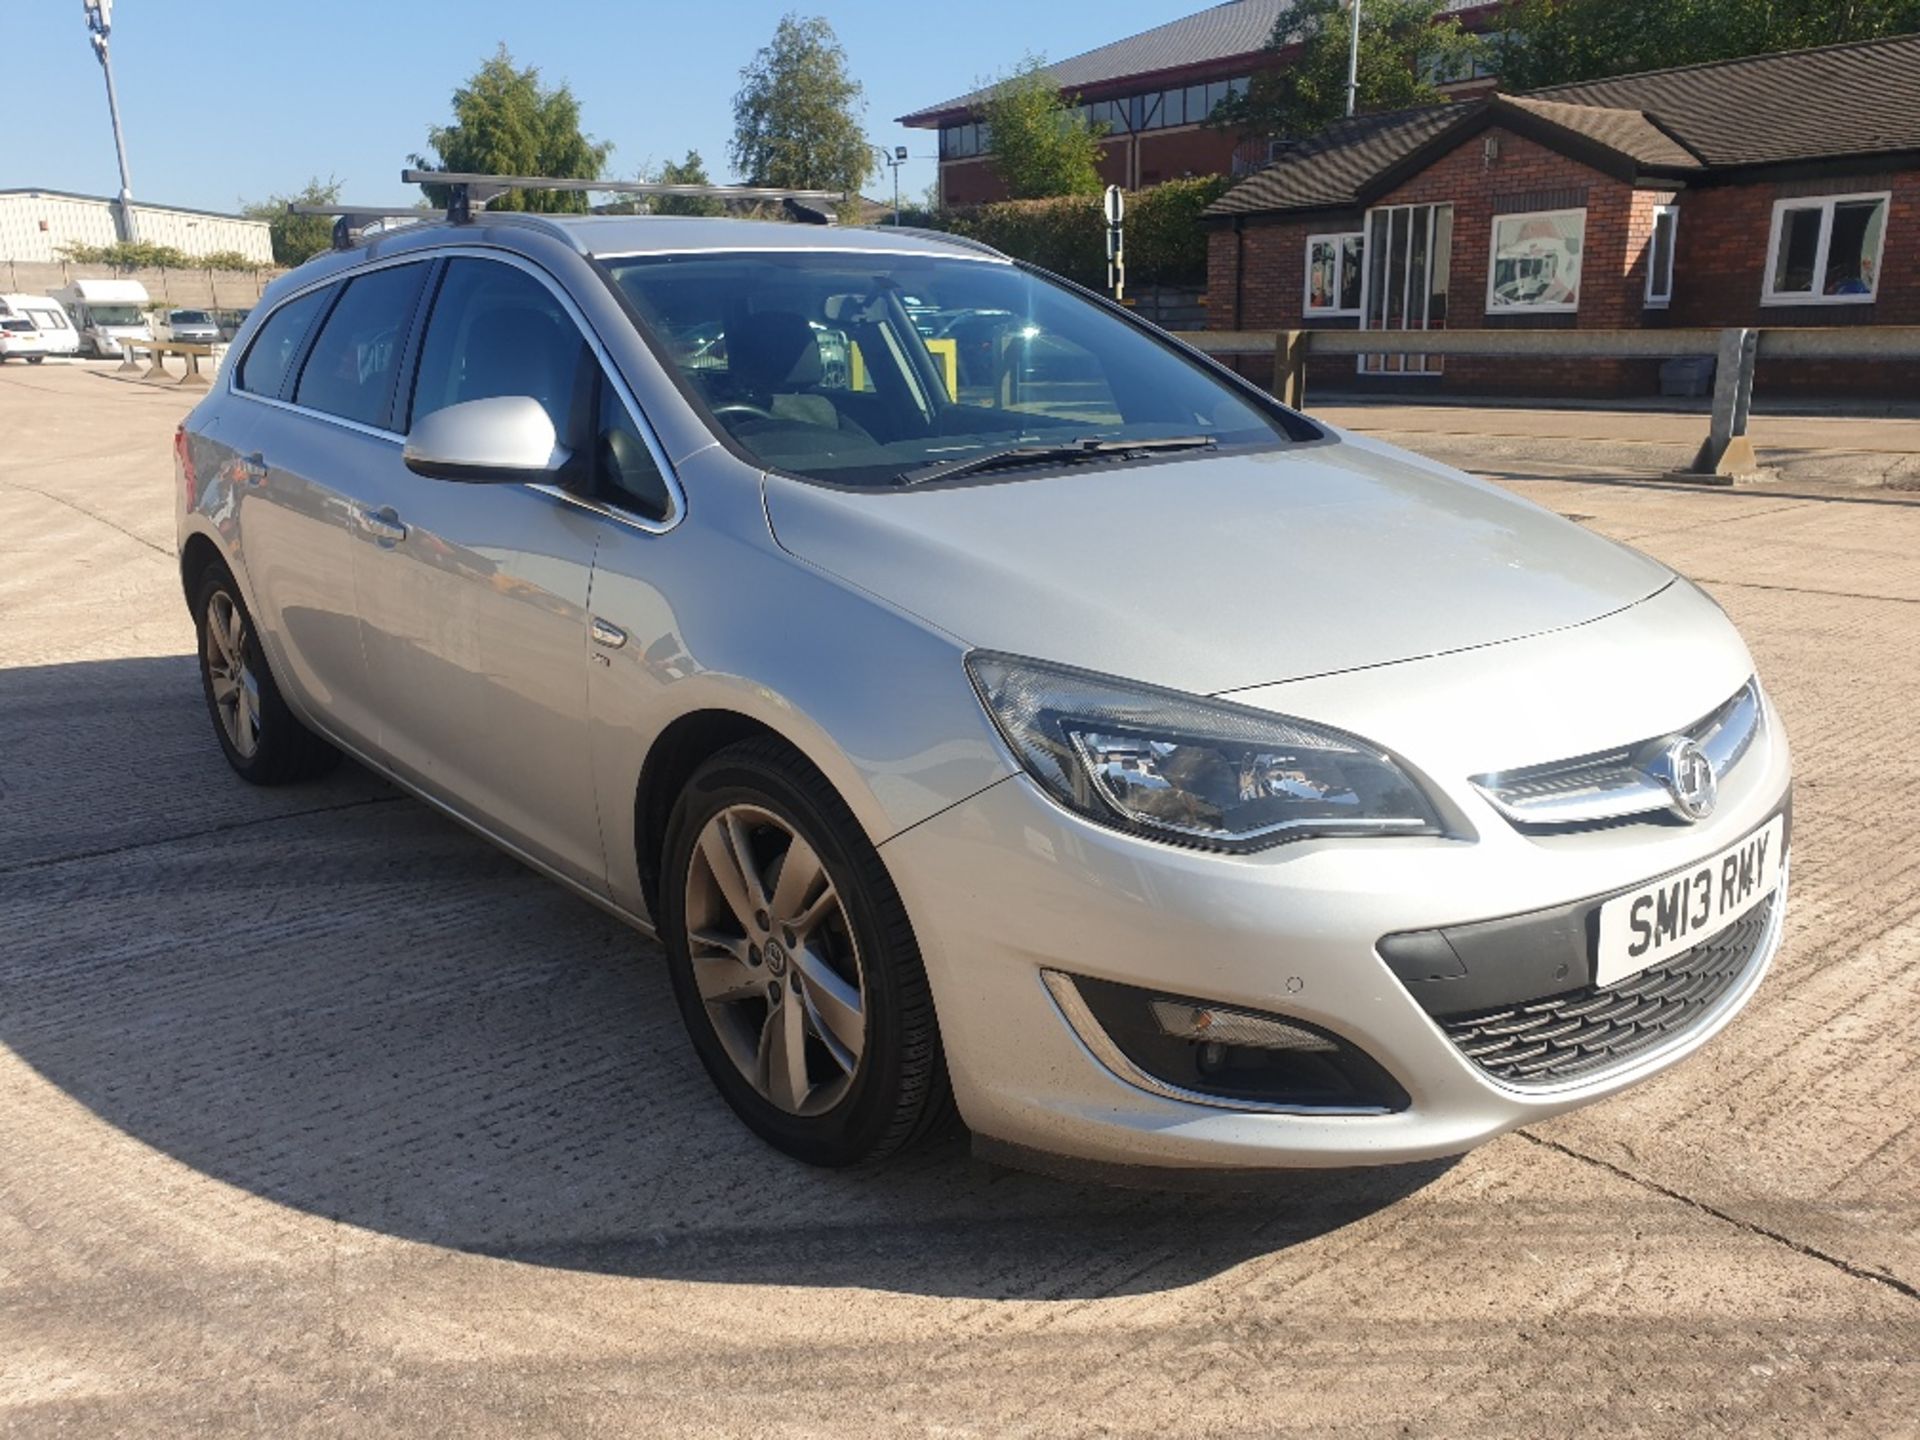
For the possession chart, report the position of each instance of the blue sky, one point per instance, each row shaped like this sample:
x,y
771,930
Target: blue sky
x,y
232,99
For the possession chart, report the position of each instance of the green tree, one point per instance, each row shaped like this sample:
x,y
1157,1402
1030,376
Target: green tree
x,y
297,238
796,120
505,122
1552,42
690,171
1037,143
1403,45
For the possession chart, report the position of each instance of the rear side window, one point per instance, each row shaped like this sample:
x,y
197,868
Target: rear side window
x,y
264,371
351,368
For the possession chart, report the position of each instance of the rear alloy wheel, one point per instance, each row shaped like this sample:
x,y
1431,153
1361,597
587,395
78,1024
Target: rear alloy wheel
x,y
793,963
262,740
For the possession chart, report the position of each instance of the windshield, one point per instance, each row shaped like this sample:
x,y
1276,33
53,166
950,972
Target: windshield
x,y
191,317
860,369
115,314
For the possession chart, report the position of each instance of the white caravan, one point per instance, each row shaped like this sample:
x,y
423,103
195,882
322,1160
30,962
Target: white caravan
x,y
107,313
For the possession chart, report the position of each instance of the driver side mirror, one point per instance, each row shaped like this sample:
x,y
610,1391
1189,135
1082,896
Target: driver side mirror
x,y
502,440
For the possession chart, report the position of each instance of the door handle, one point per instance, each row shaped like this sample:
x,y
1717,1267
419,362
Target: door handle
x,y
383,524
611,636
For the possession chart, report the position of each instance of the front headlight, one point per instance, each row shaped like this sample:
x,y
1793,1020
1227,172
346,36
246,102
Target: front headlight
x,y
1192,770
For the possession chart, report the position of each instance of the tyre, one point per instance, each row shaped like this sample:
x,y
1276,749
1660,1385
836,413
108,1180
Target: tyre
x,y
35,359
793,962
262,740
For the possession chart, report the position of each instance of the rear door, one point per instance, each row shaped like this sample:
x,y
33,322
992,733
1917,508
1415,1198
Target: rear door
x,y
473,598
290,506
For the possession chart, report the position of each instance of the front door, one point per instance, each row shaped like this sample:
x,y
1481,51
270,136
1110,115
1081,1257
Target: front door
x,y
473,597
1409,257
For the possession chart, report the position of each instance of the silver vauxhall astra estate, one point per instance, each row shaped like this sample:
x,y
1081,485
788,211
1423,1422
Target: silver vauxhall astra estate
x,y
986,700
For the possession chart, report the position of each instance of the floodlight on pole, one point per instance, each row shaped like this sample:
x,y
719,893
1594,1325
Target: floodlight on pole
x,y
99,28
1353,64
894,158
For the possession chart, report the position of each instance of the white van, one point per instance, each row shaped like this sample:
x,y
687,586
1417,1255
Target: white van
x,y
49,317
106,313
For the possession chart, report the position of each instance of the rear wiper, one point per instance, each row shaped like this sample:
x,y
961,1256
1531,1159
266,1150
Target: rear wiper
x,y
1087,448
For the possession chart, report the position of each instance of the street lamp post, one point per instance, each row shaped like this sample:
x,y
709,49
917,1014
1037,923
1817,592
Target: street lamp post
x,y
893,158
99,27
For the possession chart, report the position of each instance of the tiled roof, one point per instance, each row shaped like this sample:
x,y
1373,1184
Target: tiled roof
x,y
1839,101
1626,132
1224,32
1333,168
1856,99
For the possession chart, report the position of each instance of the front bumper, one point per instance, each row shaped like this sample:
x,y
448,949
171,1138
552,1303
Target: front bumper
x,y
1009,887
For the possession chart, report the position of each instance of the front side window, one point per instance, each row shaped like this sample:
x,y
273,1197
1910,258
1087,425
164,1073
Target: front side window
x,y
862,369
1826,250
264,370
1336,264
49,319
1666,221
495,331
1535,261
350,370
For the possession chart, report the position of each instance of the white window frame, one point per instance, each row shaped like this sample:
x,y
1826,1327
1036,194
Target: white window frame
x,y
1825,205
1338,239
1555,307
1658,299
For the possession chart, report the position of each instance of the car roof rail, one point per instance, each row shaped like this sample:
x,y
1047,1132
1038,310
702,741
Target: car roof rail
x,y
351,222
469,193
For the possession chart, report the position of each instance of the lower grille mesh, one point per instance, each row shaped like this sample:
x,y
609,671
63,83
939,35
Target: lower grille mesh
x,y
1540,1042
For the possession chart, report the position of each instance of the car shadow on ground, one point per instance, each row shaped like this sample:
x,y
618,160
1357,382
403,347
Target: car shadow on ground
x,y
333,998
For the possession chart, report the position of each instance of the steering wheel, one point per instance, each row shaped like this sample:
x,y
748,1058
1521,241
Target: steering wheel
x,y
740,407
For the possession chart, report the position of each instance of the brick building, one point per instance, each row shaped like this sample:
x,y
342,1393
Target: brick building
x,y
1152,92
1780,190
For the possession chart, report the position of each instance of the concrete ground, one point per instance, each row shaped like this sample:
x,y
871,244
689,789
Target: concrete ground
x,y
317,1115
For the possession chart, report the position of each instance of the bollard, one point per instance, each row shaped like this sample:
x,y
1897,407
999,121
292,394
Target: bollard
x,y
1290,368
1727,454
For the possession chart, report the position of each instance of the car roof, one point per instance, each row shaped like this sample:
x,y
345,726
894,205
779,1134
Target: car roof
x,y
610,236
604,236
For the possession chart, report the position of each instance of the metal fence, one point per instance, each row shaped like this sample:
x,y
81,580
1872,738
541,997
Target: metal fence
x,y
1724,453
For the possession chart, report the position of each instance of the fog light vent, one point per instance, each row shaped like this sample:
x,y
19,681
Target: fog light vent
x,y
1210,1023
1190,1049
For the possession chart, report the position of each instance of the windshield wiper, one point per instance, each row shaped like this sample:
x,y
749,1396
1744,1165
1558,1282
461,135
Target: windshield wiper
x,y
1087,448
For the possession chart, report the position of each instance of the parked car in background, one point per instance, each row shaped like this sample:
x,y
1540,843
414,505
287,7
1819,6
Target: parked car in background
x,y
19,340
1163,775
107,313
191,327
49,317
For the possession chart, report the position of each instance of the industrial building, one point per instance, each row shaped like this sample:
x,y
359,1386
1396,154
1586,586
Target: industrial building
x,y
37,225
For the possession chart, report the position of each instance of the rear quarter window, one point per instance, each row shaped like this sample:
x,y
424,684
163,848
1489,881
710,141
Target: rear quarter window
x,y
268,359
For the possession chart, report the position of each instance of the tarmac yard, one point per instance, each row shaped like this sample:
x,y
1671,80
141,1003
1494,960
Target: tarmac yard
x,y
318,1115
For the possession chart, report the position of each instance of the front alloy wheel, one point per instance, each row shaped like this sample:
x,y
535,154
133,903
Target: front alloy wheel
x,y
793,963
775,961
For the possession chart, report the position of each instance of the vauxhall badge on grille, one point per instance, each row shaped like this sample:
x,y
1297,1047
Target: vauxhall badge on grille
x,y
1688,775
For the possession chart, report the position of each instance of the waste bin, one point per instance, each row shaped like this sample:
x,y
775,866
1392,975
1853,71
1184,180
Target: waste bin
x,y
1690,376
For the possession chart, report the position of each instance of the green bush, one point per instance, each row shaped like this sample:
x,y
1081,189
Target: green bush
x,y
140,255
1166,243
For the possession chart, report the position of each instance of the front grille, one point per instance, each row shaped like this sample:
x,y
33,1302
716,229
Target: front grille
x,y
1562,1037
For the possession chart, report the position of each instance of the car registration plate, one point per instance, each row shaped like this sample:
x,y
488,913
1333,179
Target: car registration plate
x,y
1689,907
